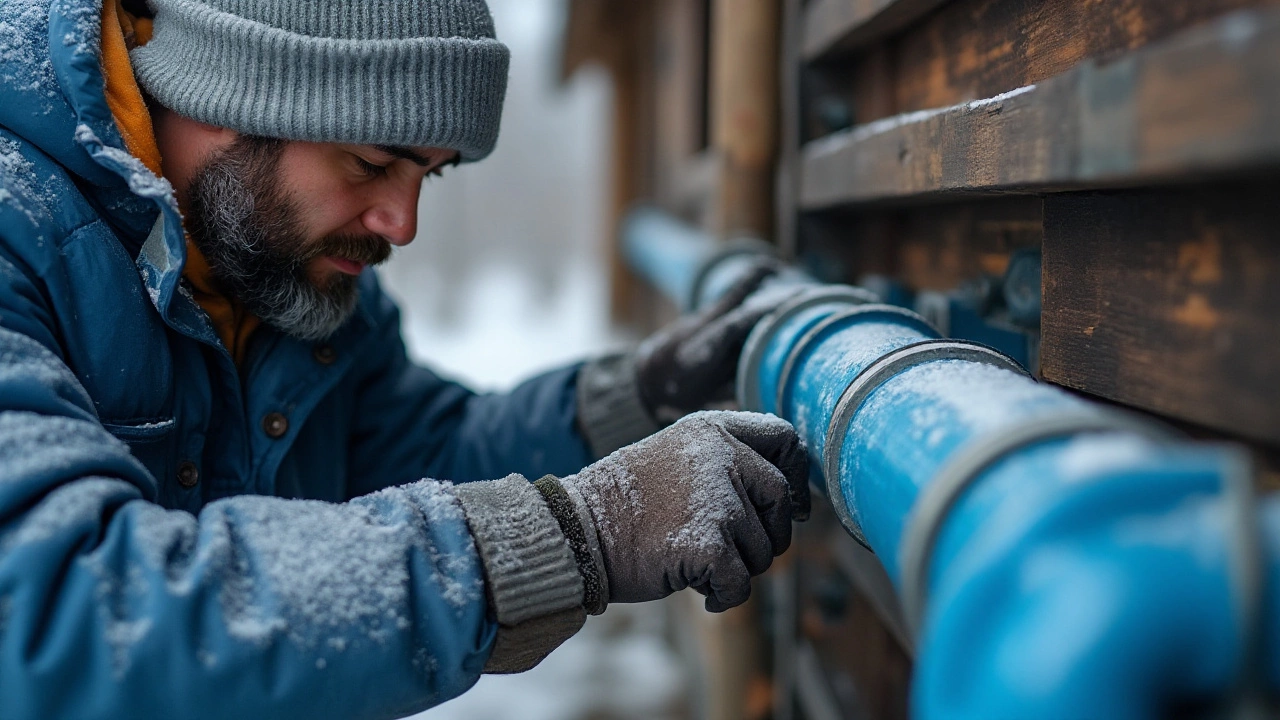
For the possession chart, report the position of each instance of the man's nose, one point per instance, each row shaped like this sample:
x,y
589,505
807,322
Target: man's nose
x,y
394,216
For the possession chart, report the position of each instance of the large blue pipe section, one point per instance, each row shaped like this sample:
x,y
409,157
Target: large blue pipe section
x,y
1056,559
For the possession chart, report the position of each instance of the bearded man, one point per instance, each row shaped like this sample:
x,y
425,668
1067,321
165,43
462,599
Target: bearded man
x,y
225,491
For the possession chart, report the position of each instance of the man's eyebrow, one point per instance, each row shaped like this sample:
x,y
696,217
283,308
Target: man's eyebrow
x,y
405,154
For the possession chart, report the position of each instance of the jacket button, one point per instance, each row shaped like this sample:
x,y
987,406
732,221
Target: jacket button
x,y
324,354
275,425
188,474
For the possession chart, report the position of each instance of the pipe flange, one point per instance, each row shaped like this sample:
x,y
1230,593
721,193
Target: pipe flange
x,y
889,312
872,377
733,248
935,502
748,390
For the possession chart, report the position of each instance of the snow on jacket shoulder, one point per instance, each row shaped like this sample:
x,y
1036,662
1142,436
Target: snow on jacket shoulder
x,y
150,563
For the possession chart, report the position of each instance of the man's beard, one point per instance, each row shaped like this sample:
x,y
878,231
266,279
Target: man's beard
x,y
249,230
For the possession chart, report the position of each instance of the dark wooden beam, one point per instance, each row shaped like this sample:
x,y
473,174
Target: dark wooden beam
x,y
1167,301
978,48
838,26
1205,101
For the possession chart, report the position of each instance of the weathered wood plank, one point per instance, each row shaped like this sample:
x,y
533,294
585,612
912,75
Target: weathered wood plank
x,y
786,230
744,113
836,26
978,48
927,247
1167,301
861,660
1205,101
680,90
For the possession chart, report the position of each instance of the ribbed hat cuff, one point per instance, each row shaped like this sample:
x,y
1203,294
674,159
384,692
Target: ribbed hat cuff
x,y
228,71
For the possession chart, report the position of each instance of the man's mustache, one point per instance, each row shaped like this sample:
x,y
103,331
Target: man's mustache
x,y
365,249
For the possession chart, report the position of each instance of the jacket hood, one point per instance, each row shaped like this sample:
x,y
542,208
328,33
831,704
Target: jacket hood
x,y
53,96
52,84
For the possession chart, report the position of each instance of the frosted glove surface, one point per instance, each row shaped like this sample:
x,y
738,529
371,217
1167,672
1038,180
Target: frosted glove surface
x,y
692,362
706,503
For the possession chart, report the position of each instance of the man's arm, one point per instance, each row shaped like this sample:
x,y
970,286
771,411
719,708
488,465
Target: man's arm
x,y
111,606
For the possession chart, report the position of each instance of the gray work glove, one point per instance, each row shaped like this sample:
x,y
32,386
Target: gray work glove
x,y
706,503
687,366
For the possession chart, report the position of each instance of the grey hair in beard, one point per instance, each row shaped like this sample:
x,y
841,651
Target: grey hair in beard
x,y
249,230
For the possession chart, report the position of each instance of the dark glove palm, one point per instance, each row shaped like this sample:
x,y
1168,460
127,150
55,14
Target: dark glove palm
x,y
706,503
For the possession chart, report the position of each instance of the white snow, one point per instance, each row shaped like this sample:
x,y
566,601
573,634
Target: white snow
x,y
61,510
36,443
307,571
298,554
839,140
16,174
87,19
976,394
24,49
712,504
142,181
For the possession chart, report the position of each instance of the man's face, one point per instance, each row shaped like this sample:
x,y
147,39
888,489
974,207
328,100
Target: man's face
x,y
287,227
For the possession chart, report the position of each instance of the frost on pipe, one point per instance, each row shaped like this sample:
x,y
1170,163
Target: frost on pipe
x,y
1048,585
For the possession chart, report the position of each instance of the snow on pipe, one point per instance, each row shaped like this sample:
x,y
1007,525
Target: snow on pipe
x,y
1057,559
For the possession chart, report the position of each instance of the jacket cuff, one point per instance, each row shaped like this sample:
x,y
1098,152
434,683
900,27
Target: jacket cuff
x,y
611,414
534,586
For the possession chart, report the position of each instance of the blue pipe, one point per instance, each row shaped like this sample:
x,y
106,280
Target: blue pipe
x,y
1057,559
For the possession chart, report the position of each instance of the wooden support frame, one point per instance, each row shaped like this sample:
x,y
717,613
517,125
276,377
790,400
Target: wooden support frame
x,y
838,26
1206,101
1135,143
744,113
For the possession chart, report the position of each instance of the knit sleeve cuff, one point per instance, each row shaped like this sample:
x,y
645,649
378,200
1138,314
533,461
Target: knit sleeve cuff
x,y
571,513
611,414
533,582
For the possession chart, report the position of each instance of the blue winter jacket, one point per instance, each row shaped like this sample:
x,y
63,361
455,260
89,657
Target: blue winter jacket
x,y
164,551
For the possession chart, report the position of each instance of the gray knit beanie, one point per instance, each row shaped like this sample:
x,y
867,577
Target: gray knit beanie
x,y
426,73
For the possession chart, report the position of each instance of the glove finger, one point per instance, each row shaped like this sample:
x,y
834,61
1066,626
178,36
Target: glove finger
x,y
766,267
765,487
730,583
776,441
724,335
715,347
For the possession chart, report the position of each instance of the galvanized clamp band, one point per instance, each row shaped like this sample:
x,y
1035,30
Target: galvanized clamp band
x,y
936,500
892,312
872,377
733,248
1250,698
748,388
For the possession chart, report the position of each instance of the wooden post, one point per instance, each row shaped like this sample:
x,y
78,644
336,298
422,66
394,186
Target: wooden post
x,y
744,113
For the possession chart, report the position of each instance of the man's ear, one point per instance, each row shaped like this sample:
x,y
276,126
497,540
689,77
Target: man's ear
x,y
186,145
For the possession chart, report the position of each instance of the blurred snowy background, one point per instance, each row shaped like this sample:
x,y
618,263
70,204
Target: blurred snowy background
x,y
508,277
